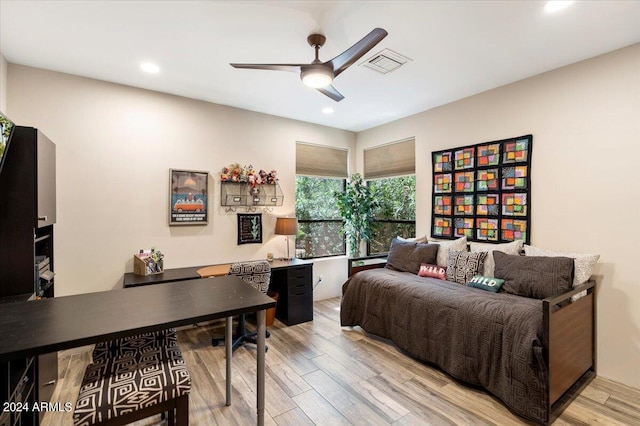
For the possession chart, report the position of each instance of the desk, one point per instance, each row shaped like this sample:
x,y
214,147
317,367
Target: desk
x,y
168,276
175,274
214,270
32,328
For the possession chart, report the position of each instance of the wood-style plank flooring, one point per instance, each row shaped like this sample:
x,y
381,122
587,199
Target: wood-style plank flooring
x,y
319,373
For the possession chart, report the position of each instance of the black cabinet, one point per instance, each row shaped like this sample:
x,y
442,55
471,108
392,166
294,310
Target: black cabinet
x,y
27,196
27,215
293,280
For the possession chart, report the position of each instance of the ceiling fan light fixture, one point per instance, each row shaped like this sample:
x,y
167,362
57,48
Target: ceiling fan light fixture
x,y
317,76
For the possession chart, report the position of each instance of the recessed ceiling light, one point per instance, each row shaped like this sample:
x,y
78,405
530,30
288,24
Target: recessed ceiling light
x,y
327,110
150,68
554,6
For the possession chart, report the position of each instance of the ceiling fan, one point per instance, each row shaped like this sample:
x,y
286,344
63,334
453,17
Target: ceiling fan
x,y
319,75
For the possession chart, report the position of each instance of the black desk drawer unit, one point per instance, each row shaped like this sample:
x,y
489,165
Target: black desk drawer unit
x,y
295,287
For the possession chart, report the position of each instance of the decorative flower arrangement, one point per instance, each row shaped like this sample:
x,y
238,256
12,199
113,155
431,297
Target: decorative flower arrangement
x,y
247,174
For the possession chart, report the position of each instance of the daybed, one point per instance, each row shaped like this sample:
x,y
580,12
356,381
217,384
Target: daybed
x,y
526,351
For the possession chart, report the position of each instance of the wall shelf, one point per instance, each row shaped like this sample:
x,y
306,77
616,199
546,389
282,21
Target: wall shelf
x,y
234,195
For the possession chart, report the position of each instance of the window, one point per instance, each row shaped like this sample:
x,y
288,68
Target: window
x,y
318,216
390,170
320,172
397,213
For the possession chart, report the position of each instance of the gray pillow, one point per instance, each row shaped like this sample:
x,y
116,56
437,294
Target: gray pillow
x,y
583,264
514,247
537,277
405,256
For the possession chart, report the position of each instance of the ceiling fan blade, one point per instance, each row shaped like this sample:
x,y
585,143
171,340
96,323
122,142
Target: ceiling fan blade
x,y
331,92
355,52
273,67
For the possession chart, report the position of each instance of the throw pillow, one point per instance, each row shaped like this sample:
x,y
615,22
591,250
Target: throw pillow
x,y
486,283
408,256
583,263
433,271
537,277
463,266
445,245
514,247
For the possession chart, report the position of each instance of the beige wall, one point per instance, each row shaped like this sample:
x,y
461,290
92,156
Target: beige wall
x,y
115,146
585,121
3,84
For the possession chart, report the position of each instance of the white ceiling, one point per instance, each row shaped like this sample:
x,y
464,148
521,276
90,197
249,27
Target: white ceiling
x,y
457,48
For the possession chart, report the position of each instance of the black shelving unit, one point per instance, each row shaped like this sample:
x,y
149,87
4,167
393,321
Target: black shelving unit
x,y
18,390
27,217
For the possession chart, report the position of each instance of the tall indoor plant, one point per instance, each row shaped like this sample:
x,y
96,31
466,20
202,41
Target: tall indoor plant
x,y
357,205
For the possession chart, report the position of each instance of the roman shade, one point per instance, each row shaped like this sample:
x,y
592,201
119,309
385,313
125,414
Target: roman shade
x,y
392,159
318,160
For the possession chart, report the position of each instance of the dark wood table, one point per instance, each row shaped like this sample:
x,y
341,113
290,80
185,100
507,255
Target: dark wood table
x,y
167,276
31,328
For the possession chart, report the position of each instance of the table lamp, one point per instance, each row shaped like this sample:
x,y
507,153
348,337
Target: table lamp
x,y
287,226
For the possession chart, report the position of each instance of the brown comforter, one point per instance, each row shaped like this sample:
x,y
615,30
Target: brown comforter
x,y
486,339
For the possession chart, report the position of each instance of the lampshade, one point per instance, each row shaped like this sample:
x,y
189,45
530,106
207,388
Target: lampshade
x,y
286,226
317,76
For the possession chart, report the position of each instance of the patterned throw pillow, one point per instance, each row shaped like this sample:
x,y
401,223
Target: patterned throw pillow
x,y
486,283
463,265
514,247
433,271
445,245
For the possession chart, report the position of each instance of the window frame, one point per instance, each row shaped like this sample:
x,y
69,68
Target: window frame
x,y
398,221
340,221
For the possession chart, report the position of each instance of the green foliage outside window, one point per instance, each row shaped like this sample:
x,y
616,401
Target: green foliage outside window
x,y
357,204
318,216
396,213
320,222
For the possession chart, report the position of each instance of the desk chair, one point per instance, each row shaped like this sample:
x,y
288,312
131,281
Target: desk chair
x,y
257,273
119,390
134,345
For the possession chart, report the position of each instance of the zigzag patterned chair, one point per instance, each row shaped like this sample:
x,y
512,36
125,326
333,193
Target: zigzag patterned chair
x,y
258,274
134,345
121,390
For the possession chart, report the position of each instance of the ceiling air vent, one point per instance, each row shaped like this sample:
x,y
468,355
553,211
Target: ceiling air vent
x,y
385,61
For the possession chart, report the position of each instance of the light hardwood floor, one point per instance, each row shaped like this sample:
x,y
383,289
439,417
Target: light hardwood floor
x,y
319,373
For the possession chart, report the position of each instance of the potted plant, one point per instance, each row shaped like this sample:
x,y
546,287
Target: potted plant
x,y
357,205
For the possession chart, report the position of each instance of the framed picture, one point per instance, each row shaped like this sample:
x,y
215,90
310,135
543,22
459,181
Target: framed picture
x,y
188,197
249,228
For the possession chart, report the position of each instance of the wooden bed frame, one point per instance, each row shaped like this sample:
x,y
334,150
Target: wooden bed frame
x,y
569,341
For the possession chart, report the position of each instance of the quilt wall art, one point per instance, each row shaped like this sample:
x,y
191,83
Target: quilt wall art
x,y
483,191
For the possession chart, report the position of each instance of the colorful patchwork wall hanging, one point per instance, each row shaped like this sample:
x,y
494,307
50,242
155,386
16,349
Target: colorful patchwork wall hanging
x,y
483,191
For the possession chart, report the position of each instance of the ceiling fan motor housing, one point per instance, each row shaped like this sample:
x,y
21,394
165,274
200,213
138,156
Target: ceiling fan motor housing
x,y
316,40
